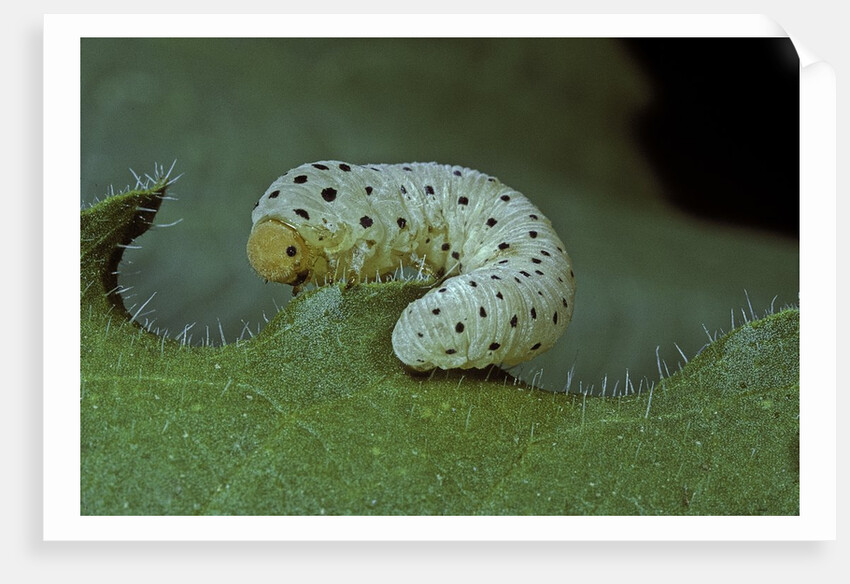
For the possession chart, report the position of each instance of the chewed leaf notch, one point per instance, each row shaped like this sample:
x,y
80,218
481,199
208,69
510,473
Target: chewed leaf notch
x,y
110,227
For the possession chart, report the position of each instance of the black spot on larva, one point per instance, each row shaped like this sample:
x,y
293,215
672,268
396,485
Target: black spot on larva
x,y
441,290
450,351
320,166
524,273
401,222
300,179
435,311
459,327
494,277
291,251
503,261
491,222
505,198
344,167
446,246
504,245
481,312
566,304
571,274
533,313
407,168
499,296
494,346
274,194
517,280
403,190
375,169
532,234
533,216
491,179
555,318
456,173
368,190
257,204
538,272
539,293
473,283
535,347
366,221
456,255
560,280
462,201
302,213
329,194
420,335
536,260
428,240
513,321
429,189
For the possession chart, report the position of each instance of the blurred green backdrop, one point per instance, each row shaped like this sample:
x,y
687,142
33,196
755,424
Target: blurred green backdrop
x,y
553,118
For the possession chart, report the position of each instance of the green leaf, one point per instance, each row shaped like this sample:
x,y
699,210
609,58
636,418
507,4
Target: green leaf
x,y
315,415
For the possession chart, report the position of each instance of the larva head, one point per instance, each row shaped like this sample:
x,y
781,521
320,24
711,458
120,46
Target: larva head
x,y
278,253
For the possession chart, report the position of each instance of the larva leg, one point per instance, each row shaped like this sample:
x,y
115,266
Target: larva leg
x,y
359,254
442,275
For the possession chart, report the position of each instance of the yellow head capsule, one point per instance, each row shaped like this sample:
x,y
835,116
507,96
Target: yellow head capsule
x,y
278,253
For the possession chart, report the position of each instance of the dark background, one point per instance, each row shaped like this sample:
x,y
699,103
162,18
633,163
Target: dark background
x,y
722,128
668,167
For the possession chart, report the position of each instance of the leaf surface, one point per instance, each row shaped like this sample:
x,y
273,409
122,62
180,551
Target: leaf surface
x,y
315,415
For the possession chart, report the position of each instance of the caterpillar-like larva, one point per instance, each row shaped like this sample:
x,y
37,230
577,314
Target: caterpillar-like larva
x,y
506,286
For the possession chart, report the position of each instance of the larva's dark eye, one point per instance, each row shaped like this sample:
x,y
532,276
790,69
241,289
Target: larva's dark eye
x,y
291,251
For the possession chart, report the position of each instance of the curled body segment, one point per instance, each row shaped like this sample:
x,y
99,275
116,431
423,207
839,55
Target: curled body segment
x,y
508,290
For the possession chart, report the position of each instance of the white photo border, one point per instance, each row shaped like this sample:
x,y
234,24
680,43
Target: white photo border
x,y
61,463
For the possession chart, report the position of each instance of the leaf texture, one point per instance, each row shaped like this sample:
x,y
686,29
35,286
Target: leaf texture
x,y
315,416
